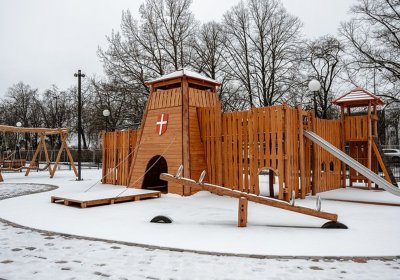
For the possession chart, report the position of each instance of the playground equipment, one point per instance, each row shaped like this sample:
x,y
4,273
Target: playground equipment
x,y
19,164
245,197
183,124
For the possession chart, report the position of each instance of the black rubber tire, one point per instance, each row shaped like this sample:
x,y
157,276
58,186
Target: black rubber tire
x,y
333,224
161,220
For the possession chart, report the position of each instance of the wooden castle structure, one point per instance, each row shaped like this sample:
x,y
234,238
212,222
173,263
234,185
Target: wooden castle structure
x,y
183,124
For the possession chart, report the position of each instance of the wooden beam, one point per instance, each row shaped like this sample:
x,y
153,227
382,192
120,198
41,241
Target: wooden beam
x,y
242,212
369,148
313,156
185,134
343,140
63,147
250,197
46,153
32,162
301,158
381,163
46,131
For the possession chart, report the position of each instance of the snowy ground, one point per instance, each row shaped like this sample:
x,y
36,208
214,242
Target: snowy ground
x,y
26,253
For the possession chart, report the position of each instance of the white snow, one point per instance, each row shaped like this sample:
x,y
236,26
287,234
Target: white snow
x,y
202,222
207,222
100,194
181,73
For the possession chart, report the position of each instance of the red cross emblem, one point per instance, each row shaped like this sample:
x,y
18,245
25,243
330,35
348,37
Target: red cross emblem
x,y
161,124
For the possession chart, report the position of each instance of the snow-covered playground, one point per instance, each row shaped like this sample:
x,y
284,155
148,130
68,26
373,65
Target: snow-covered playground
x,y
40,239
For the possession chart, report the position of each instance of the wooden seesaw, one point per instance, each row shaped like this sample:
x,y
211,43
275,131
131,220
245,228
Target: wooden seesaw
x,y
245,197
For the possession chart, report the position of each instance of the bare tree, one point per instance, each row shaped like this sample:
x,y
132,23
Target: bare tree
x,y
324,56
262,41
157,43
373,38
275,42
237,29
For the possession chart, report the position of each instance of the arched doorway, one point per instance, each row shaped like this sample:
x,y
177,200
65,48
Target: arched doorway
x,y
154,168
268,180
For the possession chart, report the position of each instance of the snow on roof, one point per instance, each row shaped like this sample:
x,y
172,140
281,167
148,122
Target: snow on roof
x,y
181,73
358,96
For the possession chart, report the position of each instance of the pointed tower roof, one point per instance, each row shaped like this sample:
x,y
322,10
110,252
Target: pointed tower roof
x,y
358,97
183,73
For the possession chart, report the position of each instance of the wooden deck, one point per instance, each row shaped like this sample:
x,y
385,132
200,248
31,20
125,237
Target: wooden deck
x,y
95,198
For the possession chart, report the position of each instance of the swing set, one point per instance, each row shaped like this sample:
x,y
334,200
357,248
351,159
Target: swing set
x,y
13,161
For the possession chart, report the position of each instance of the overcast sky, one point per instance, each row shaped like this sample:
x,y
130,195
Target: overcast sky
x,y
44,42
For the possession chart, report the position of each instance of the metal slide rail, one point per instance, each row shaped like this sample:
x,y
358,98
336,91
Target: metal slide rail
x,y
352,162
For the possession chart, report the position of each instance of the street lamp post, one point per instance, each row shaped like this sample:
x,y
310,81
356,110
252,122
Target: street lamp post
x,y
106,114
79,75
314,86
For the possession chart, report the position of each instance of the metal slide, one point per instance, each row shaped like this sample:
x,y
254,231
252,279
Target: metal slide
x,y
352,162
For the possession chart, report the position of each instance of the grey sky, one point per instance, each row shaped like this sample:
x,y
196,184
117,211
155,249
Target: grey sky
x,y
44,42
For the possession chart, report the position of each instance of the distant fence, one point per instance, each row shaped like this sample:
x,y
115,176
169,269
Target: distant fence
x,y
89,157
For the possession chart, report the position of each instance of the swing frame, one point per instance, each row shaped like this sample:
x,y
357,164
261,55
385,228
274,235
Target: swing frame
x,y
42,132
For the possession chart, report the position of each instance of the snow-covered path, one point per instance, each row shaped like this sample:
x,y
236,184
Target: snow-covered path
x,y
28,254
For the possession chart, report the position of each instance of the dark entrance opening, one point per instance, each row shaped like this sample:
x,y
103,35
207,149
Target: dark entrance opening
x,y
155,167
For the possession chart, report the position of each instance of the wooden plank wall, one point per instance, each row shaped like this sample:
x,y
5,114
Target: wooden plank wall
x,y
210,122
165,98
202,98
356,128
118,149
327,168
265,137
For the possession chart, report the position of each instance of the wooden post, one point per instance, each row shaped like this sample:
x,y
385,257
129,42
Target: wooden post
x,y
271,183
314,154
32,162
185,134
64,145
46,153
242,212
287,167
343,137
103,157
301,159
369,162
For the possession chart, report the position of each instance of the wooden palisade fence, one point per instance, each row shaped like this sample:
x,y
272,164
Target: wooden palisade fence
x,y
234,147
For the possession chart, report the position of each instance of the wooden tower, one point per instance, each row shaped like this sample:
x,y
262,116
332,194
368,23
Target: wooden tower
x,y
360,131
170,133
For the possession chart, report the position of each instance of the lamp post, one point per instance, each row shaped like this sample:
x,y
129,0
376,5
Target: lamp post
x,y
314,86
79,75
106,114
